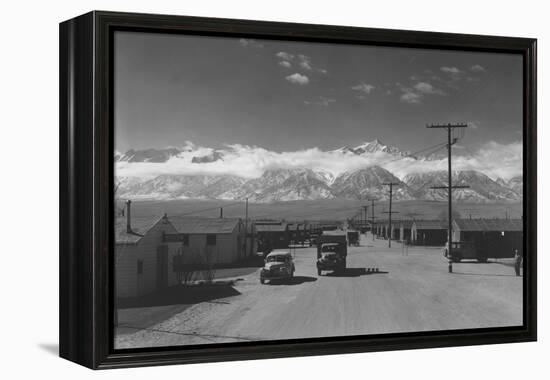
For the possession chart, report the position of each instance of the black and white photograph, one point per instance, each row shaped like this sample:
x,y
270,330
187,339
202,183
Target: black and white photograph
x,y
270,190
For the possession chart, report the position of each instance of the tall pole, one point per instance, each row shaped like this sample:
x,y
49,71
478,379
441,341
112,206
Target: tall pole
x,y
221,212
390,184
450,142
246,227
372,218
391,227
364,221
450,190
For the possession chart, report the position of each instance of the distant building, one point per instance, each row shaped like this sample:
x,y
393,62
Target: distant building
x,y
142,258
384,230
394,229
271,235
378,229
405,227
496,238
212,241
297,232
429,232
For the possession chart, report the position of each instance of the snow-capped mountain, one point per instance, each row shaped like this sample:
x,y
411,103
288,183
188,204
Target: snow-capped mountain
x,y
149,155
211,157
363,178
369,183
370,147
283,185
481,187
516,184
169,186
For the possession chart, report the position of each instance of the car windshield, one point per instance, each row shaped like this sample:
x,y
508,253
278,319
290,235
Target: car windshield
x,y
277,259
329,248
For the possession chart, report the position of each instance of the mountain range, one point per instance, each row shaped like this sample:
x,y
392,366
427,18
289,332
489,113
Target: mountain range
x,y
276,185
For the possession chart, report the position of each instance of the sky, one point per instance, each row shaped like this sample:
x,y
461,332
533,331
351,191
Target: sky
x,y
286,96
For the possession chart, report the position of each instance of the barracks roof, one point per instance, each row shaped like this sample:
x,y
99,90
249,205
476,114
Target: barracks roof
x,y
430,225
406,223
140,226
193,225
489,224
281,227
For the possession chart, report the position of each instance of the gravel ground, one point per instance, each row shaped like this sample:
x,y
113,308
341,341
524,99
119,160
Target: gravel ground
x,y
383,291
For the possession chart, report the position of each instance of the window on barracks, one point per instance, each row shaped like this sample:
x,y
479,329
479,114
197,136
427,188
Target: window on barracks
x,y
210,239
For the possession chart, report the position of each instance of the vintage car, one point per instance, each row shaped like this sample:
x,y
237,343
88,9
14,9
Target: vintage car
x,y
278,265
331,253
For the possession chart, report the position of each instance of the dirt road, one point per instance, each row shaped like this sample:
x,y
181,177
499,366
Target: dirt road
x,y
382,291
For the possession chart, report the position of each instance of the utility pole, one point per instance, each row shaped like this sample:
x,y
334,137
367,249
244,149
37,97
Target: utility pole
x,y
391,185
246,226
221,212
450,142
364,221
372,217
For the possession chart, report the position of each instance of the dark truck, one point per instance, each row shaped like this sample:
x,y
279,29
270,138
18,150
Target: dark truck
x,y
332,250
353,238
464,250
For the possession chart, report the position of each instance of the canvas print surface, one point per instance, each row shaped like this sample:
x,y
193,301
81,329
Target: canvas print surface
x,y
275,190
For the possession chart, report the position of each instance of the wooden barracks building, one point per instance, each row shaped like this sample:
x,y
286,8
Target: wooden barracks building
x,y
145,248
496,238
142,258
429,233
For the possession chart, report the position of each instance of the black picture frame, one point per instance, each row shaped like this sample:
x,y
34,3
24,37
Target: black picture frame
x,y
86,189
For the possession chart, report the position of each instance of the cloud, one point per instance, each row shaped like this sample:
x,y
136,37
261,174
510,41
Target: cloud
x,y
450,70
477,68
363,87
302,61
285,64
298,78
495,159
246,42
427,88
305,62
409,96
320,101
285,56
415,93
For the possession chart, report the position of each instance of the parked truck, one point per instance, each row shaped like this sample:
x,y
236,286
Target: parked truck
x,y
332,251
464,250
353,238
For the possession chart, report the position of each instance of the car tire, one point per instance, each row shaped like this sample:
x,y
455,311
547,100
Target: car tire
x,y
319,272
262,281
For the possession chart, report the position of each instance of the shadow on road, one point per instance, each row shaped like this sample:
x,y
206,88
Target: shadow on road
x,y
355,272
143,312
178,295
296,280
